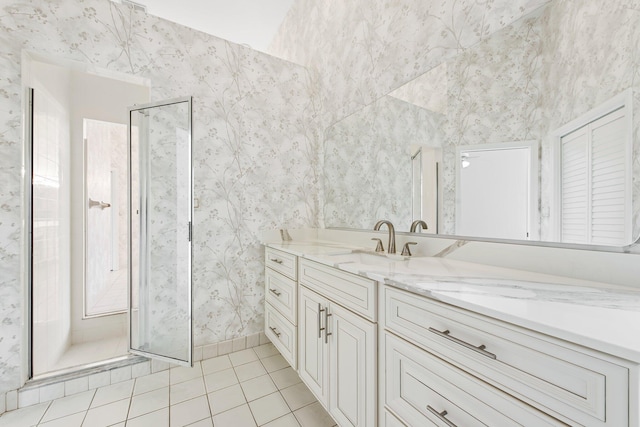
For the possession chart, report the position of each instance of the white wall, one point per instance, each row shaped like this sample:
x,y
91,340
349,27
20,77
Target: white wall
x,y
51,193
106,99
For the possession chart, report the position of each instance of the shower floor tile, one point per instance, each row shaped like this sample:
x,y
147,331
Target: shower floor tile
x,y
273,399
90,352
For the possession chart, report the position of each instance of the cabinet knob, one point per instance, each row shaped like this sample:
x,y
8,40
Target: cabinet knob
x,y
279,261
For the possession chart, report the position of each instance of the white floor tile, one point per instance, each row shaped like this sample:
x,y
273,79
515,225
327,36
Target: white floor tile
x,y
268,408
156,419
250,370
149,402
266,350
243,356
207,422
146,399
24,417
274,363
258,387
184,373
225,399
188,412
216,364
288,420
69,405
74,420
285,378
314,415
297,396
112,393
220,380
186,390
236,417
151,382
107,415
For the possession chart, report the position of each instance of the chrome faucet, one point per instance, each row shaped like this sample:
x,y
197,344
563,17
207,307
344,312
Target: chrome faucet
x,y
392,234
418,223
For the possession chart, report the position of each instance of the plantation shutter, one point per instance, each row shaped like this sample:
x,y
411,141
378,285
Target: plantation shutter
x,y
595,206
575,188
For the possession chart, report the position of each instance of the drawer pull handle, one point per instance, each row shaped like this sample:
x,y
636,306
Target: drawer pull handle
x,y
279,261
326,325
480,349
273,291
320,328
441,416
276,333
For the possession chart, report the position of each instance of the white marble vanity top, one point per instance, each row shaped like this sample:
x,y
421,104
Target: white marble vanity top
x,y
595,315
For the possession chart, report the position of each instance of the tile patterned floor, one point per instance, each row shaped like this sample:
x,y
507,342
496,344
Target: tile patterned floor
x,y
248,388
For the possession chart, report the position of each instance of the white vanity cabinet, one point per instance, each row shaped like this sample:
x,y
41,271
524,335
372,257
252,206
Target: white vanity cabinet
x,y
471,365
281,302
338,342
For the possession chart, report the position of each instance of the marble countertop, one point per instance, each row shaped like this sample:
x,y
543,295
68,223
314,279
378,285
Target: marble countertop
x,y
595,315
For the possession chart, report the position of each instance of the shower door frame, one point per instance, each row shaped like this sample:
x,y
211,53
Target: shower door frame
x,y
142,237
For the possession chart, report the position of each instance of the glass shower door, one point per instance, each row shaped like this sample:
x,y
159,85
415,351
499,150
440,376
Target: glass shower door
x,y
160,318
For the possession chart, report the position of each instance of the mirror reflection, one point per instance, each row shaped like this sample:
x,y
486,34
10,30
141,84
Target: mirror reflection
x,y
529,134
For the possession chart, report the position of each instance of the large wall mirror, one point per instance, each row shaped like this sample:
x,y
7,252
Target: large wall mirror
x,y
535,127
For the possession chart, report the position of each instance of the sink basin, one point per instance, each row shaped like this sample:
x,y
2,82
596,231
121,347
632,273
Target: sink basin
x,y
367,258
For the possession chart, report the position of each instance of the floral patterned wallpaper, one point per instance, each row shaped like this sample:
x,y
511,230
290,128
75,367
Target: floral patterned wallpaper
x,y
358,52
361,50
536,75
367,154
508,71
254,149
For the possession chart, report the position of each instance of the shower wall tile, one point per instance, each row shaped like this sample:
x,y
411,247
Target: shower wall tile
x,y
77,385
141,369
12,400
28,397
99,380
254,149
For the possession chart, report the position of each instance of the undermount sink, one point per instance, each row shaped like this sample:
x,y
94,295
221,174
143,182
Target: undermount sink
x,y
369,258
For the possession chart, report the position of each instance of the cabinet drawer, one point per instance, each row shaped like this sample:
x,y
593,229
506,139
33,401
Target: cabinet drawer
x,y
281,293
282,262
571,384
281,333
349,290
420,388
391,421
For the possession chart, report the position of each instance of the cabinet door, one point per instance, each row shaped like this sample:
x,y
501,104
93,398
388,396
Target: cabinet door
x,y
352,360
313,352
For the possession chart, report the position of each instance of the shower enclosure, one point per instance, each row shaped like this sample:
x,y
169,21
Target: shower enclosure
x,y
109,221
160,219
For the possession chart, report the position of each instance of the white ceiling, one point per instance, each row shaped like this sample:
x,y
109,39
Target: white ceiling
x,y
250,22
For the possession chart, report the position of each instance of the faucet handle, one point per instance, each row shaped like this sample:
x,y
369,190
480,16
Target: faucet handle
x,y
405,250
379,247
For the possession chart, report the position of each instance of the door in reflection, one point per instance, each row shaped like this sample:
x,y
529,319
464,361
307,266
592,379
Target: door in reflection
x,y
160,227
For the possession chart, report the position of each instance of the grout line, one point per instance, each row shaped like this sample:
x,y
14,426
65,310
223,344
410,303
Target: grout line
x,y
43,414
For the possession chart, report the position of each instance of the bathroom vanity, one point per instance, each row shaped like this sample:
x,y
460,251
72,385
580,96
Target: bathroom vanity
x,y
431,341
